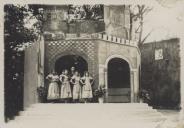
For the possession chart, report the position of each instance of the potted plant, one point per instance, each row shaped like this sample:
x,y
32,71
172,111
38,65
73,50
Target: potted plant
x,y
42,94
144,96
100,92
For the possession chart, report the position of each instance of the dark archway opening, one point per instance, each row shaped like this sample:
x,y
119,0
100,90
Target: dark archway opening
x,y
118,80
118,73
68,61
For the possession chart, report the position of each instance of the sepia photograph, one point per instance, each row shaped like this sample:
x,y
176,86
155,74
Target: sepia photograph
x,y
93,65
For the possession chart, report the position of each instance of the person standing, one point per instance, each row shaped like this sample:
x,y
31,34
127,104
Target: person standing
x,y
65,87
53,89
75,80
87,82
72,71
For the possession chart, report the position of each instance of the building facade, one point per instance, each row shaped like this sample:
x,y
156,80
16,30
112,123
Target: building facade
x,y
100,47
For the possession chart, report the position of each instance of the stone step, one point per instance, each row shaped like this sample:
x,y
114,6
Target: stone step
x,y
133,115
122,119
89,106
85,125
69,109
72,112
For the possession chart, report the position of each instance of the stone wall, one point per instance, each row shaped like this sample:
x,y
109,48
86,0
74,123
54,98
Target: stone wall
x,y
161,77
31,75
117,20
55,21
108,50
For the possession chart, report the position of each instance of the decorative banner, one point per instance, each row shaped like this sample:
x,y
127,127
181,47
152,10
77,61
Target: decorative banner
x,y
159,54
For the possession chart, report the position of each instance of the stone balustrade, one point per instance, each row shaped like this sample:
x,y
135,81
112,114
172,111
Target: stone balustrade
x,y
105,37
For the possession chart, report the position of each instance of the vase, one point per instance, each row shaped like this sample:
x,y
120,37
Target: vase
x,y
100,99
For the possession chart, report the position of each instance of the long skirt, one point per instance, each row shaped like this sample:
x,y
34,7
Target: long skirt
x,y
65,91
76,92
86,93
53,91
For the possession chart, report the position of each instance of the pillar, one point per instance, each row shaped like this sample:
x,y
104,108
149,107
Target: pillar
x,y
103,78
102,75
136,86
131,86
2,69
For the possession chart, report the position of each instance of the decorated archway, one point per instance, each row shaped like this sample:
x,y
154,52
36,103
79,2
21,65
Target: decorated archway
x,y
118,74
68,61
125,76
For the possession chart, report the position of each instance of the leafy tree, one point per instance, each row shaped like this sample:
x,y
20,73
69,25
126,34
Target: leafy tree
x,y
85,12
16,35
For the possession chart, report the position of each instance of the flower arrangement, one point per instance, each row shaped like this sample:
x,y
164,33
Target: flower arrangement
x,y
100,92
42,93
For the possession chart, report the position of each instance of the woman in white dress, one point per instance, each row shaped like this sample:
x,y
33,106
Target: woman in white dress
x,y
75,81
65,87
53,89
87,82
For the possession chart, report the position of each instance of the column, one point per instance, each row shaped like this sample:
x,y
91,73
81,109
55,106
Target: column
x,y
131,86
106,83
136,86
2,69
101,75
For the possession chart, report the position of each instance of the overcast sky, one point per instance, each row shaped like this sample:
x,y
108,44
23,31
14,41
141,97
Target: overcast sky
x,y
166,21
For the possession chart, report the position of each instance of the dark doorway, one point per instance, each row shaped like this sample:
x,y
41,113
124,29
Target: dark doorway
x,y
118,80
68,61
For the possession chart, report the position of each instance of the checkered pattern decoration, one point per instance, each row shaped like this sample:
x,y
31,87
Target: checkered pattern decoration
x,y
55,48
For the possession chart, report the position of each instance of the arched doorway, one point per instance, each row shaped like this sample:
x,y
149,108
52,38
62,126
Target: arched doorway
x,y
68,61
118,80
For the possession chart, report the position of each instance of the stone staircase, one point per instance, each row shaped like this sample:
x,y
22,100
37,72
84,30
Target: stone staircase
x,y
120,115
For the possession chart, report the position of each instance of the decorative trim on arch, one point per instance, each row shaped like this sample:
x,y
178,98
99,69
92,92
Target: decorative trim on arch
x,y
118,56
67,52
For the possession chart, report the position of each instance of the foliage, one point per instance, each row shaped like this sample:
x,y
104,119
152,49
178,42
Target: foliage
x,y
85,12
100,92
16,35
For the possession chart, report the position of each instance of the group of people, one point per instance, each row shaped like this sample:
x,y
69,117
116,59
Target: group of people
x,y
70,85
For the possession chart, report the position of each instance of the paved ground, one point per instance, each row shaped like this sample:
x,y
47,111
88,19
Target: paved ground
x,y
129,115
142,116
173,119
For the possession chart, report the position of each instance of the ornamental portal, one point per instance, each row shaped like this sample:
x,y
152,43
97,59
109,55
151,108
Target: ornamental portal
x,y
100,47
